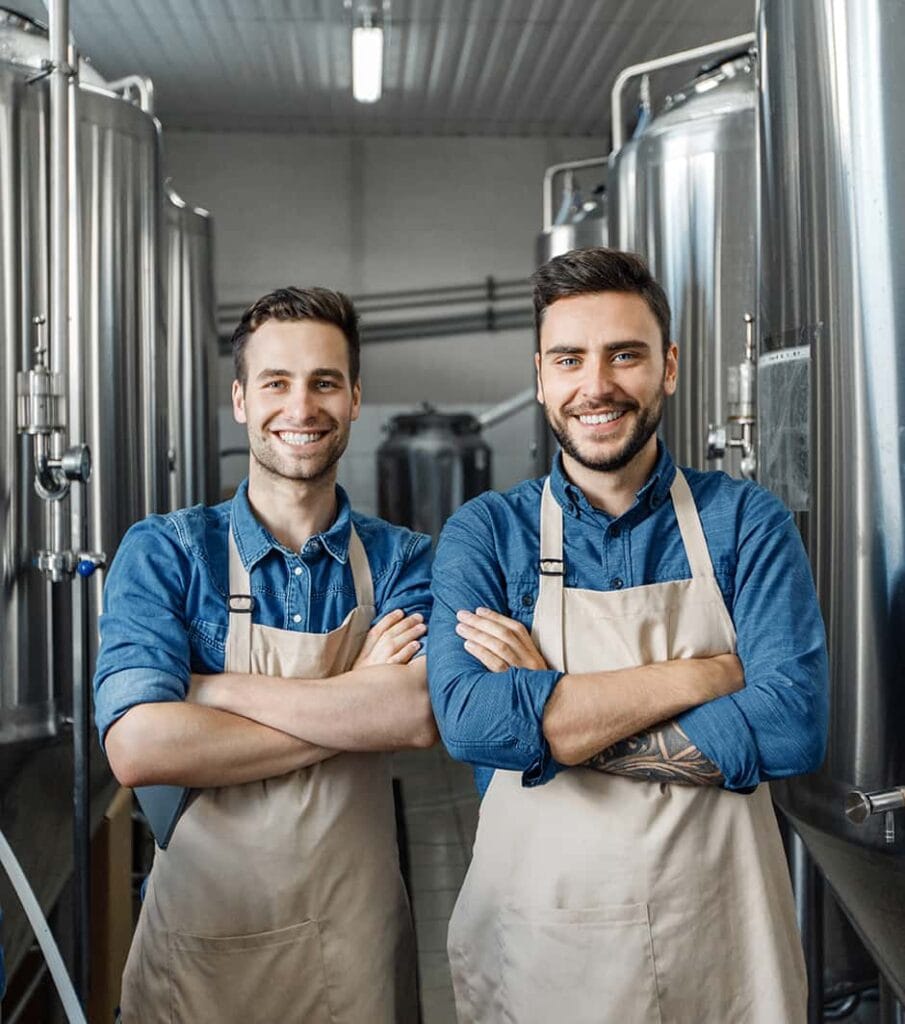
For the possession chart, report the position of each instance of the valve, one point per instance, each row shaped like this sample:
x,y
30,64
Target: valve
x,y
742,410
860,806
89,562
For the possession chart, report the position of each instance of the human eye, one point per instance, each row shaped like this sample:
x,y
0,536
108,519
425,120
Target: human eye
x,y
325,385
626,357
567,362
274,385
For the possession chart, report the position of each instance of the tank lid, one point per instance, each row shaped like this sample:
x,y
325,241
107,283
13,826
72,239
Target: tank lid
x,y
430,418
712,76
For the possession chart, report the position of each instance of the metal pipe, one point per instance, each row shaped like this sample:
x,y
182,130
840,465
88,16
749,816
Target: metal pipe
x,y
507,408
807,884
144,87
658,64
554,169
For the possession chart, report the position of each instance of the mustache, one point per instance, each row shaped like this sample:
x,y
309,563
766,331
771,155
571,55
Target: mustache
x,y
589,409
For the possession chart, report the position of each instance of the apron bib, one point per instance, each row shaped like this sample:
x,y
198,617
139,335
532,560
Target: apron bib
x,y
281,900
597,899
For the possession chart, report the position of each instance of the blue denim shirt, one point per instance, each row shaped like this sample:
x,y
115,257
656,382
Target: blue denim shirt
x,y
165,597
488,556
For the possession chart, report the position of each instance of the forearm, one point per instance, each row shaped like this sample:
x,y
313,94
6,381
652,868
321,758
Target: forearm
x,y
590,712
382,707
664,754
184,744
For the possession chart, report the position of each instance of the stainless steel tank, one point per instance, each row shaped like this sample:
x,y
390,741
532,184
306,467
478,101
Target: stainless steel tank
x,y
191,354
115,306
831,373
682,195
430,463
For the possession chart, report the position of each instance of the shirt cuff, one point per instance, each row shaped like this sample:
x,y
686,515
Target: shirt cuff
x,y
125,689
543,768
722,734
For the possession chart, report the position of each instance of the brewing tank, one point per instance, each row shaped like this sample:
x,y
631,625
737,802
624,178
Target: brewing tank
x,y
430,463
831,376
116,311
683,196
585,226
191,355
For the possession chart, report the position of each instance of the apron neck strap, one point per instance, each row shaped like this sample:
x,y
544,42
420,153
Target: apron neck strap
x,y
551,576
361,570
690,527
241,605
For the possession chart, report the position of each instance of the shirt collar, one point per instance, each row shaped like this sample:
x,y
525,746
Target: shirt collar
x,y
254,540
654,492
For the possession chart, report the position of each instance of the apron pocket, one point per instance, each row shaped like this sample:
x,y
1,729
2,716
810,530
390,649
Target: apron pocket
x,y
592,966
266,976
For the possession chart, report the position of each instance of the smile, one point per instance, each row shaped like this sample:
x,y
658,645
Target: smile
x,y
298,439
601,417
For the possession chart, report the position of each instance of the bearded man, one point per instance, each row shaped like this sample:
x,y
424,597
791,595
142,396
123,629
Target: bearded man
x,y
625,651
240,658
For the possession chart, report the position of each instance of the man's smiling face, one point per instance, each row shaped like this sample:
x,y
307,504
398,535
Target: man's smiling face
x,y
602,376
297,402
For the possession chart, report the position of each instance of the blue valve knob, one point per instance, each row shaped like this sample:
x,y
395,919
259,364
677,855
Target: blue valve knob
x,y
86,568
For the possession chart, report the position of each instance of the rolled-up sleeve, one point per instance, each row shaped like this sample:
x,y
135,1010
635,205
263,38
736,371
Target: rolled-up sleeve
x,y
776,725
409,587
491,719
144,646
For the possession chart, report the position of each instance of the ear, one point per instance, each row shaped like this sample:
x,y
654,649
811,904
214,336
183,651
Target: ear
x,y
671,370
540,385
238,403
356,400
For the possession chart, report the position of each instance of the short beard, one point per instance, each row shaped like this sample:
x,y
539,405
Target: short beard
x,y
272,465
645,427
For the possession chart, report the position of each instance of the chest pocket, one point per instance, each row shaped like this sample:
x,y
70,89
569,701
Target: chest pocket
x,y
207,641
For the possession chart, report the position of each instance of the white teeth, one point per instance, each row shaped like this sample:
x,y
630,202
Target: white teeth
x,y
298,438
605,417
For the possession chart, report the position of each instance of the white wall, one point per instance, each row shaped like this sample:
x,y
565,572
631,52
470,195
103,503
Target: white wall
x,y
376,214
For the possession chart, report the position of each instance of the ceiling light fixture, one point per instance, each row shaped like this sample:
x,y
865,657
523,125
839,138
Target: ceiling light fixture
x,y
367,57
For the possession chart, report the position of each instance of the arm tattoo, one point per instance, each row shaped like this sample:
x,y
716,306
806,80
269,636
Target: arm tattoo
x,y
664,754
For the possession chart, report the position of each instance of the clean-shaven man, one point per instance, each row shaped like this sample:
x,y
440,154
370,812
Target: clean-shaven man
x,y
240,657
625,651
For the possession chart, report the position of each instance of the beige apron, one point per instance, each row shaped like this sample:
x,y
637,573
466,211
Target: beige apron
x,y
596,899
281,900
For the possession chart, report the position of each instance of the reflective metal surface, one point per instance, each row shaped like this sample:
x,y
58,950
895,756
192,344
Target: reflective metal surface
x,y
27,707
191,355
428,466
832,266
587,233
683,197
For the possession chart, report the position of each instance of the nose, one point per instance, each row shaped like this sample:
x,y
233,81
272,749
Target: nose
x,y
598,381
301,404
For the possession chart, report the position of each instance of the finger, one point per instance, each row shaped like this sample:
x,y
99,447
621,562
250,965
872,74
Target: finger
x,y
399,640
404,656
404,624
387,622
486,657
497,625
500,647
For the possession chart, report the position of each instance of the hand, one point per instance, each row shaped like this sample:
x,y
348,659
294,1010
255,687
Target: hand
x,y
392,641
498,642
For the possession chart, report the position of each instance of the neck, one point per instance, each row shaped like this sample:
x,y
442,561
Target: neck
x,y
613,491
292,510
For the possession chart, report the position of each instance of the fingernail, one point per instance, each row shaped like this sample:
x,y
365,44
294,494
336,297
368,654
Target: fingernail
x,y
463,615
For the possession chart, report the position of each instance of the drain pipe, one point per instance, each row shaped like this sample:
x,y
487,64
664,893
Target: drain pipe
x,y
670,61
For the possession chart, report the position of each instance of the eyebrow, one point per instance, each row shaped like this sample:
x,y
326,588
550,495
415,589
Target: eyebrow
x,y
615,346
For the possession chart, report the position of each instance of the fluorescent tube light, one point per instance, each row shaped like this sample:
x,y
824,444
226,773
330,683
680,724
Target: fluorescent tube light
x,y
367,63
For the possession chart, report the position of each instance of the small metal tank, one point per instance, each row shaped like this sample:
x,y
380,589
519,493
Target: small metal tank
x,y
683,195
430,464
191,355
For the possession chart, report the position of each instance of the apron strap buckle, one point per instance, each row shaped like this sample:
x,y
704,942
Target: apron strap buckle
x,y
552,567
242,604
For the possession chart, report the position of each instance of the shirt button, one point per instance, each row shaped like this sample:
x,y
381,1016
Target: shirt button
x,y
298,570
570,508
296,618
527,600
617,583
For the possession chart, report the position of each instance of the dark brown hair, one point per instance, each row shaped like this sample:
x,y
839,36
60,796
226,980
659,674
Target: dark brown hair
x,y
319,304
585,271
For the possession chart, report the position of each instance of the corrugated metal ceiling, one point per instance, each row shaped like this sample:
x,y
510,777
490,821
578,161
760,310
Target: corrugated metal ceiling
x,y
476,67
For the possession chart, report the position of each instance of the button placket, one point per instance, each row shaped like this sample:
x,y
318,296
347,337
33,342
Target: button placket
x,y
297,594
